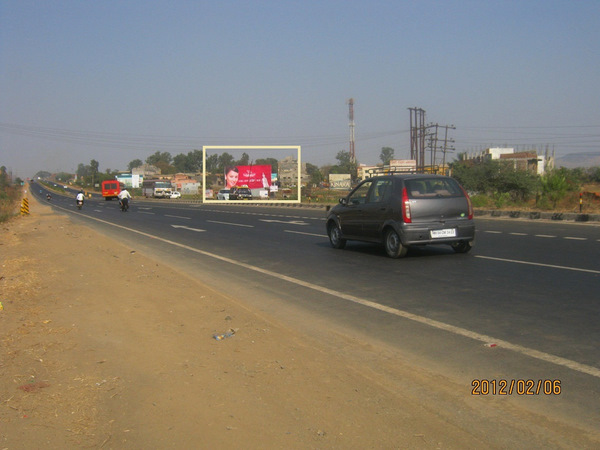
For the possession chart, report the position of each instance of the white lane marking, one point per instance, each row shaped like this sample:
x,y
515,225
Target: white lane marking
x,y
178,217
143,207
493,232
234,224
307,234
544,235
145,212
576,238
516,261
187,228
519,234
288,222
547,357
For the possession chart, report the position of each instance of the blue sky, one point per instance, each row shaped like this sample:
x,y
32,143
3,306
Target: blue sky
x,y
118,80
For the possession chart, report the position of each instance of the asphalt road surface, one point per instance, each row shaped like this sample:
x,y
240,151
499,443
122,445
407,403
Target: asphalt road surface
x,y
523,305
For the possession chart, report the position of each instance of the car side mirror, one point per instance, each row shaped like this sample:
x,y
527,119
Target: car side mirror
x,y
343,201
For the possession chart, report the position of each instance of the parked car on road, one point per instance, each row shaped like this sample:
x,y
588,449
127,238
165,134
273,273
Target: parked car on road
x,y
400,211
240,193
223,194
175,194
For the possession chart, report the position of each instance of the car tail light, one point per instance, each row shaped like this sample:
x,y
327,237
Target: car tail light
x,y
406,207
469,204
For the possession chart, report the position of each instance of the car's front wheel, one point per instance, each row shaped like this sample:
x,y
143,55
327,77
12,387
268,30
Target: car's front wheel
x,y
462,246
335,236
393,245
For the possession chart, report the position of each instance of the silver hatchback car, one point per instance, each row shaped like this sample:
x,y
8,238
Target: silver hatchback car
x,y
400,211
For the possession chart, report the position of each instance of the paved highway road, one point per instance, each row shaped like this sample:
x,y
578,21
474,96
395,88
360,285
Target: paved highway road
x,y
524,304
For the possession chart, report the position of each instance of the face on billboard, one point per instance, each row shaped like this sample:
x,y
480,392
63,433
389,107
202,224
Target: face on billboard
x,y
231,177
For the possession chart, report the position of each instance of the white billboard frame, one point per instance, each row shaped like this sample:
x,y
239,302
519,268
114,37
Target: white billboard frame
x,y
252,147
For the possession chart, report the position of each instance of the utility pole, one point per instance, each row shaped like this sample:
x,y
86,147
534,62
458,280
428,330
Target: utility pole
x,y
446,142
417,137
351,118
433,142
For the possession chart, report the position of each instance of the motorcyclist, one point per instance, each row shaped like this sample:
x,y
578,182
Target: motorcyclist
x,y
80,197
48,196
124,197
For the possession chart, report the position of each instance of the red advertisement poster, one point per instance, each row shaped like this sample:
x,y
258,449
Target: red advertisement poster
x,y
255,177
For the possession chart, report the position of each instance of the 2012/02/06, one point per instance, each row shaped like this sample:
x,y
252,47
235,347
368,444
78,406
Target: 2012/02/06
x,y
515,386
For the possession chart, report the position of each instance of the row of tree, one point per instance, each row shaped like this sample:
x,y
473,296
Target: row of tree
x,y
499,180
215,163
493,178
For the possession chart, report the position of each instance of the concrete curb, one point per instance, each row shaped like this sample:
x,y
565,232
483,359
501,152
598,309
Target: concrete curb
x,y
535,215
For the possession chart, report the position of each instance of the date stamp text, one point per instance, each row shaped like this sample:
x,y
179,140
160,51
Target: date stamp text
x,y
515,387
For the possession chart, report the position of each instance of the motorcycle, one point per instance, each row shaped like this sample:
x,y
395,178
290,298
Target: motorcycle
x,y
79,204
124,204
48,197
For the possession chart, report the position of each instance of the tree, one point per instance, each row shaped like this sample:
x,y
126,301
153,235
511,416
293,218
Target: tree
x,y
192,162
554,186
225,160
314,173
212,163
165,167
82,170
386,155
158,157
244,160
345,164
268,162
134,164
594,174
3,178
195,160
94,166
63,176
43,175
519,184
494,177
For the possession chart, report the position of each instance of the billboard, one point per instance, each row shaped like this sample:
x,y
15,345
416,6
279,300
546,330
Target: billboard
x,y
404,165
340,181
255,177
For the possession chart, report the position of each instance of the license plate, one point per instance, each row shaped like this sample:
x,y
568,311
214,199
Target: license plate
x,y
447,232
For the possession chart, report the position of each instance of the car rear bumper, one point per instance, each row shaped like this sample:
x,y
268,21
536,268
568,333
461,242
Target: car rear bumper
x,y
412,234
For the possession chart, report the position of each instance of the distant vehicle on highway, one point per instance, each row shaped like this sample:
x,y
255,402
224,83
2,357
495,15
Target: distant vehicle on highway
x,y
400,211
223,194
157,188
240,193
111,188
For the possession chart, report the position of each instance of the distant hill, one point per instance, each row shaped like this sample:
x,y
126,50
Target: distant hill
x,y
573,160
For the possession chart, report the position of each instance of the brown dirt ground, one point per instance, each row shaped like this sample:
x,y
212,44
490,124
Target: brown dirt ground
x,y
103,347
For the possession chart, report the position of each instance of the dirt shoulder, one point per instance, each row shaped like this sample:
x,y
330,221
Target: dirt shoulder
x,y
103,347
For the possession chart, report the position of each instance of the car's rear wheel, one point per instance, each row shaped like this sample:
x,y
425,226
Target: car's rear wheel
x,y
393,245
335,236
462,246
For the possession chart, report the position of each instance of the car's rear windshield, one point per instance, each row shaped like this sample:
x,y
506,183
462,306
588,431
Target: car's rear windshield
x,y
433,188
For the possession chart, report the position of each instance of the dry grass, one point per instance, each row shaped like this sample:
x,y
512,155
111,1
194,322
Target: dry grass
x,y
10,199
